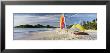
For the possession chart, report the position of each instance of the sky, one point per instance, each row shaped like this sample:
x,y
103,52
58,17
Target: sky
x,y
51,18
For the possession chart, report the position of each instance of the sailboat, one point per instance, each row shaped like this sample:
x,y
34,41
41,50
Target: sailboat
x,y
62,22
81,28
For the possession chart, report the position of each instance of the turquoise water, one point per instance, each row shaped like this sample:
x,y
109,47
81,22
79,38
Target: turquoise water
x,y
20,32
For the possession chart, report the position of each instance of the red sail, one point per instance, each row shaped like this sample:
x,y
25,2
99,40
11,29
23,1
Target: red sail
x,y
62,24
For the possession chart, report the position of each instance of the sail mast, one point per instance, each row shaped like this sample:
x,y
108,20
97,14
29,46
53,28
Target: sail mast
x,y
64,21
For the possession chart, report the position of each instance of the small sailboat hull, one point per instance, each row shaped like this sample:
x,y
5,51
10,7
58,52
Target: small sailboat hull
x,y
81,33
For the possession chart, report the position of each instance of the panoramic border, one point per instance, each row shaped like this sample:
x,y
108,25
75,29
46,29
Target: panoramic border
x,y
50,3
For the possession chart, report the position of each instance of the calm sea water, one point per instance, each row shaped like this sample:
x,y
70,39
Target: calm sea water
x,y
20,32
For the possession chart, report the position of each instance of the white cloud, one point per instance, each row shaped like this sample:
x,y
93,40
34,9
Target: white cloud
x,y
28,19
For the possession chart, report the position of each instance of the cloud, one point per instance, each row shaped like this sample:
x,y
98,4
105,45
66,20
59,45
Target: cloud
x,y
76,18
51,18
38,19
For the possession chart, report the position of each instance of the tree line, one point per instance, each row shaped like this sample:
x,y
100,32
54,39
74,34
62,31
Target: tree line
x,y
90,25
34,26
87,24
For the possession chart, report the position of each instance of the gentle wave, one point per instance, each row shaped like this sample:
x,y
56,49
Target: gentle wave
x,y
27,30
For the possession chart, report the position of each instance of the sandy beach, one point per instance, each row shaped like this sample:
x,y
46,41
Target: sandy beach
x,y
58,35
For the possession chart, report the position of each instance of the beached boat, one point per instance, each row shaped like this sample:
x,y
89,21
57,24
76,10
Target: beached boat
x,y
76,28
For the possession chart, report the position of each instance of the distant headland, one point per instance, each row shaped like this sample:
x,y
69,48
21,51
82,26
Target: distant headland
x,y
35,26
